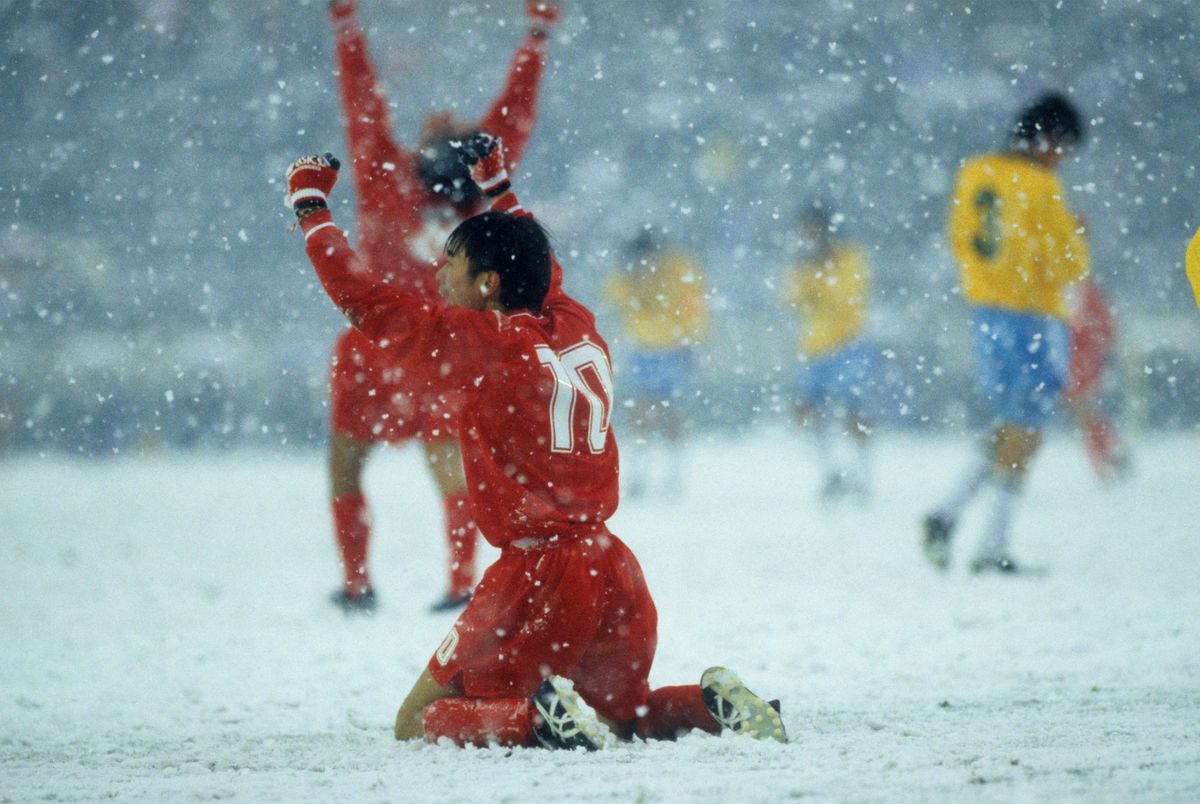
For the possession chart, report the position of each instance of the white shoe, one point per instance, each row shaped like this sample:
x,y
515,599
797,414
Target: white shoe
x,y
738,709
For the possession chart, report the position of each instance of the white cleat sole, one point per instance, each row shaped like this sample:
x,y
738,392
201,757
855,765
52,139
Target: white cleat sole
x,y
738,709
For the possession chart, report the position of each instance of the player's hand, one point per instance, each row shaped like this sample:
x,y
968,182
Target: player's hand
x,y
309,182
485,156
543,15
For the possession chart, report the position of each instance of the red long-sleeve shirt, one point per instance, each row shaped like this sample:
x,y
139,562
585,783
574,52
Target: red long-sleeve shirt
x,y
539,454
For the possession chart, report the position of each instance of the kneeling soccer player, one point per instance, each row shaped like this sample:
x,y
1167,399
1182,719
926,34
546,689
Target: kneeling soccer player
x,y
563,616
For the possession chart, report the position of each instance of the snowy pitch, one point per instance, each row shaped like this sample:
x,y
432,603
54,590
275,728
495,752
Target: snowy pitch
x,y
166,635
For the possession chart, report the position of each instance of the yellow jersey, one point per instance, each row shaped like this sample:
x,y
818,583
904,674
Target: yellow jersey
x,y
1016,242
1193,265
663,301
830,295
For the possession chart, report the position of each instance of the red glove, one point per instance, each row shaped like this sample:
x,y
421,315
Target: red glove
x,y
309,182
543,14
485,156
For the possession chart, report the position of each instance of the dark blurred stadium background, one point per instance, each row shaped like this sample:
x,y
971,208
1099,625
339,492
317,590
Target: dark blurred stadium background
x,y
152,297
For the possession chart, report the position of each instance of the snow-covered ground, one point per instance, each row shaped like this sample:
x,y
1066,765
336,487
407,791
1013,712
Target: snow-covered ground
x,y
166,635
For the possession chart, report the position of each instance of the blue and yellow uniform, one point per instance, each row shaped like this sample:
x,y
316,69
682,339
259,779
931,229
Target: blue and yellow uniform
x,y
664,306
1193,265
1018,246
830,294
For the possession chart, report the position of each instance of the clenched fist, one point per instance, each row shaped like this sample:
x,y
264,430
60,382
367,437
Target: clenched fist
x,y
309,182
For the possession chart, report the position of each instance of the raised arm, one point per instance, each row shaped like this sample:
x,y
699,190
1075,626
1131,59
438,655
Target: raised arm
x,y
450,346
366,112
486,156
512,114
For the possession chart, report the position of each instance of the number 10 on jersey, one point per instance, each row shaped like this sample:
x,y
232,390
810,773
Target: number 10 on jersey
x,y
572,368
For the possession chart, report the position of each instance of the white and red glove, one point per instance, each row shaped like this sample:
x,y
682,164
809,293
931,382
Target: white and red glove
x,y
543,15
309,182
484,154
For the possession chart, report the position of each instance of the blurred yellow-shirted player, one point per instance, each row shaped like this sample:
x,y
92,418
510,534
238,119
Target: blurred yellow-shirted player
x,y
829,289
1193,265
1018,247
660,295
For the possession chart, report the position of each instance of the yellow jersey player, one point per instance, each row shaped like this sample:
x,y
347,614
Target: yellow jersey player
x,y
1018,246
661,298
829,290
1193,265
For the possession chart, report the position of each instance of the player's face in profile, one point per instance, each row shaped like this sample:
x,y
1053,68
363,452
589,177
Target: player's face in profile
x,y
456,284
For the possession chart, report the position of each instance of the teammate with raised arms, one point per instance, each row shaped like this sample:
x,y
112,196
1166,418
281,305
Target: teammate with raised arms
x,y
407,202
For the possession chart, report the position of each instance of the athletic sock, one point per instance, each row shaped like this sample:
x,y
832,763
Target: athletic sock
x,y
1100,444
968,485
674,711
995,538
862,462
480,721
461,537
352,529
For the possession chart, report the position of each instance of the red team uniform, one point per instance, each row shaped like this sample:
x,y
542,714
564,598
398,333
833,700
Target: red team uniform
x,y
566,598
1093,333
402,224
541,466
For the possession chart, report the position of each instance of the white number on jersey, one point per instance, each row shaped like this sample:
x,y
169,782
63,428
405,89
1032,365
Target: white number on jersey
x,y
571,369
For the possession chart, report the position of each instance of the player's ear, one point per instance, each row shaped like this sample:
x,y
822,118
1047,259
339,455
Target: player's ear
x,y
488,283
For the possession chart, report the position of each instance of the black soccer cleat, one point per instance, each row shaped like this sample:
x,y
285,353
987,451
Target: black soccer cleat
x,y
936,542
450,602
562,719
360,603
738,709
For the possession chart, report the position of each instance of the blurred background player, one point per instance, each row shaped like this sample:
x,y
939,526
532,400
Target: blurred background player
x,y
829,289
660,295
1093,340
407,202
1192,264
1018,246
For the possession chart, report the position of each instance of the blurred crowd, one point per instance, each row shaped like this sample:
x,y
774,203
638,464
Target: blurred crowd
x,y
150,295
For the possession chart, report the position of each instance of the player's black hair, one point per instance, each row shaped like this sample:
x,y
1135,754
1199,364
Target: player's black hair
x,y
440,165
516,247
1052,117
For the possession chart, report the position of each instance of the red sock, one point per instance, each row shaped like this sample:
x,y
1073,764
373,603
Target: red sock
x,y
674,711
480,721
352,527
1100,444
461,538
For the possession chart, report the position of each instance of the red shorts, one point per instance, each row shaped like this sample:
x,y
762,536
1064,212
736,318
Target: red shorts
x,y
372,399
579,610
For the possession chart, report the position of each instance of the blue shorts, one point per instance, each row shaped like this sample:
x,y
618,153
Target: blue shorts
x,y
1021,363
657,374
841,376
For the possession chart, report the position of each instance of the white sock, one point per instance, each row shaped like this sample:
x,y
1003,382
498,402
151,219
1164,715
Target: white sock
x,y
968,485
995,538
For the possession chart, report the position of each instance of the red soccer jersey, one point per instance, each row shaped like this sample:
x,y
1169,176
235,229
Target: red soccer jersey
x,y
539,454
402,224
